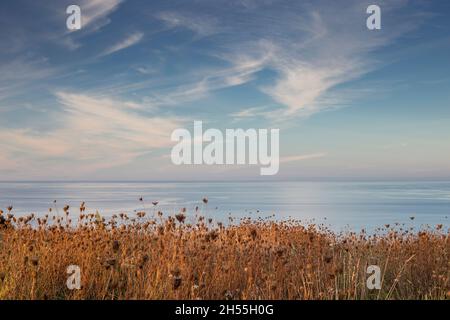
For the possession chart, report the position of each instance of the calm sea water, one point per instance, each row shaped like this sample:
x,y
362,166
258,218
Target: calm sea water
x,y
341,205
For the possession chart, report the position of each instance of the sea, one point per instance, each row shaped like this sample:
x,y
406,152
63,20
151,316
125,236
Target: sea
x,y
339,205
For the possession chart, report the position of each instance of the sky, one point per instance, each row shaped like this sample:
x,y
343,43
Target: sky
x,y
100,103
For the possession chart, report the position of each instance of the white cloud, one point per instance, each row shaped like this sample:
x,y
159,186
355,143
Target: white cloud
x,y
307,54
249,113
199,85
302,87
94,16
146,70
312,49
202,26
95,12
302,157
129,41
20,72
91,133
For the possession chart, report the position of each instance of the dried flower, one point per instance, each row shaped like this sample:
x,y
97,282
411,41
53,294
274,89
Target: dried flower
x,y
180,217
253,233
176,282
228,295
116,246
34,261
110,262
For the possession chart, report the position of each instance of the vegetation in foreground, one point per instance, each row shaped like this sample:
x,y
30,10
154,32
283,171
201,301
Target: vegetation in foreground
x,y
149,256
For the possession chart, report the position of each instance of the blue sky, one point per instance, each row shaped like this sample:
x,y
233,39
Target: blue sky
x,y
100,103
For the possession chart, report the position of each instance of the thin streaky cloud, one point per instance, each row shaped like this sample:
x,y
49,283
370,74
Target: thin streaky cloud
x,y
95,12
202,26
20,74
89,133
129,41
264,64
302,157
312,52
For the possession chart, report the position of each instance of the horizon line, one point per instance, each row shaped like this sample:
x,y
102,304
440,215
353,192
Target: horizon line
x,y
309,179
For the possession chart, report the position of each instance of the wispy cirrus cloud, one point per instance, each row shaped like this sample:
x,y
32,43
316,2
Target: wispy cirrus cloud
x,y
248,60
311,48
95,12
302,157
24,62
127,42
197,85
22,72
202,26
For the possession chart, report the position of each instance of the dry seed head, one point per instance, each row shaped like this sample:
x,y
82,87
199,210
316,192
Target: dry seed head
x,y
34,261
116,246
180,217
177,280
110,263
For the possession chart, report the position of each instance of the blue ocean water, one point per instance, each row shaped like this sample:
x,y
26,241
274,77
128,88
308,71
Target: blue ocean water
x,y
341,205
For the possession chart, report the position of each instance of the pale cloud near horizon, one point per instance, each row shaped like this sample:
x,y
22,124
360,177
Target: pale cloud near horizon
x,y
232,171
302,157
91,133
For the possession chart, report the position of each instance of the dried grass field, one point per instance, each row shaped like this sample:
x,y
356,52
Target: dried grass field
x,y
156,256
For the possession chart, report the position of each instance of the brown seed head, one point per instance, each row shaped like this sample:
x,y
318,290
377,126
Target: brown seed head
x,y
116,246
180,217
34,261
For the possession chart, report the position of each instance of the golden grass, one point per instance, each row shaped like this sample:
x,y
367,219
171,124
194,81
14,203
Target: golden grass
x,y
166,258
